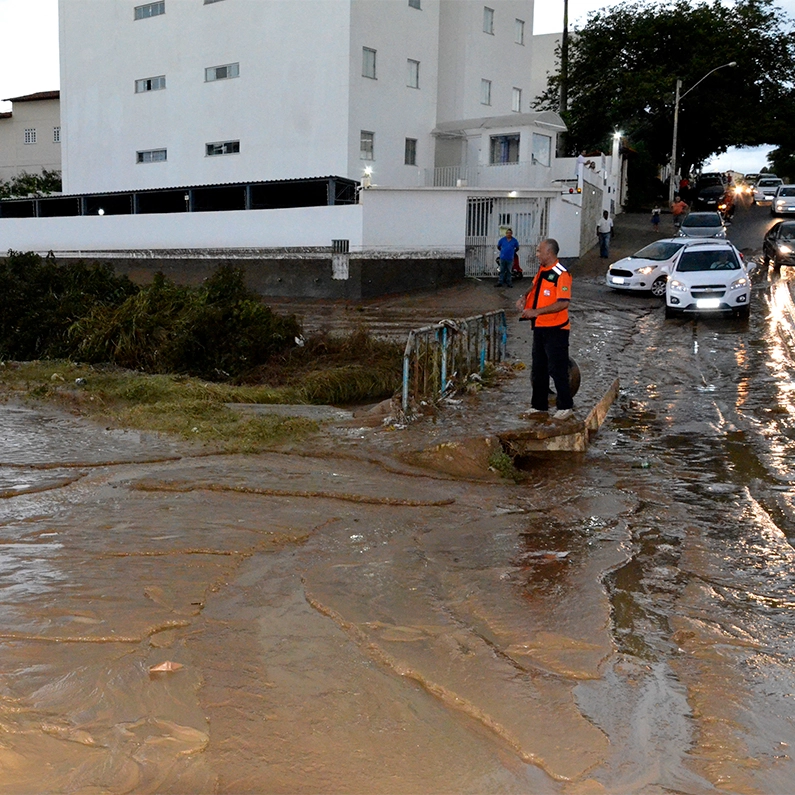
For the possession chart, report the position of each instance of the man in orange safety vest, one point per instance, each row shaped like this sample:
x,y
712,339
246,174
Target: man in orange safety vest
x,y
547,306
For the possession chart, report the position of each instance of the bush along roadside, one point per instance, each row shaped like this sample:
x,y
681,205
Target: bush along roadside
x,y
167,357
219,330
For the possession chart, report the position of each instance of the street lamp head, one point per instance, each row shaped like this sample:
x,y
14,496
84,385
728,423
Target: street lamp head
x,y
733,63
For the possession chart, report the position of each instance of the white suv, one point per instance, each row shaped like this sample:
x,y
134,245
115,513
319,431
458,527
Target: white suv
x,y
708,277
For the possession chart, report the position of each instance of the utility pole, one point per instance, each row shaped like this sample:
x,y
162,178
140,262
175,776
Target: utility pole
x,y
563,103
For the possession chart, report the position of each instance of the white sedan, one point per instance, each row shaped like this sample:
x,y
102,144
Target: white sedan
x,y
646,269
709,276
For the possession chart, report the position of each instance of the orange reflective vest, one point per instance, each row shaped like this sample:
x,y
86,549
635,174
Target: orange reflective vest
x,y
550,285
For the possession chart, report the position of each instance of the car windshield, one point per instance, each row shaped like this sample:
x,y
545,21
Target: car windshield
x,y
787,232
657,252
721,260
695,219
769,183
788,191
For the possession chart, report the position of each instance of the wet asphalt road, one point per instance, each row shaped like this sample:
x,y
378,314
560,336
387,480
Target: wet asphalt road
x,y
621,621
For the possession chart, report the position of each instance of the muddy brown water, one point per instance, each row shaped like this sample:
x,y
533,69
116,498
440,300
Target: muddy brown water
x,y
622,622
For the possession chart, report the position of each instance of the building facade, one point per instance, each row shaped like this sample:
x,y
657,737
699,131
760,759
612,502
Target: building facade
x,y
190,92
30,135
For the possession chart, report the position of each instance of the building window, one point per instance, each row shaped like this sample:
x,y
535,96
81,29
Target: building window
x,y
504,149
56,135
223,148
410,158
150,84
516,100
30,135
485,92
207,2
368,63
150,156
414,4
150,10
518,31
542,149
413,79
488,20
367,145
225,72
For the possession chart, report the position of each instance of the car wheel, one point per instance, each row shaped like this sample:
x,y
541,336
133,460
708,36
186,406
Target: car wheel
x,y
671,312
658,286
744,312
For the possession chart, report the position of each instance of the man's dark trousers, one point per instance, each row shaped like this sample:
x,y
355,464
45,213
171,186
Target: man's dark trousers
x,y
550,358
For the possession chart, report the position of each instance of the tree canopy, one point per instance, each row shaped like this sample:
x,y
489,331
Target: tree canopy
x,y
25,184
624,64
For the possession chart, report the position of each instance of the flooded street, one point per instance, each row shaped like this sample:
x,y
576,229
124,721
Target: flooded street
x,y
347,622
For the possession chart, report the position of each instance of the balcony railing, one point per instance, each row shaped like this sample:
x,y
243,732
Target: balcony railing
x,y
528,174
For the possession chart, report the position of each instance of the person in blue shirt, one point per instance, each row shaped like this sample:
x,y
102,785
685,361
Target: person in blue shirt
x,y
508,246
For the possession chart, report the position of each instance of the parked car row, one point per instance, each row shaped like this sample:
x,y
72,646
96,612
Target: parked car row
x,y
695,275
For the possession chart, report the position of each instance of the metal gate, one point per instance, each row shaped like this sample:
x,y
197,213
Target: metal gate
x,y
488,216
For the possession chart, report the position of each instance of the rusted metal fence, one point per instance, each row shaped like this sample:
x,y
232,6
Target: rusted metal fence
x,y
439,357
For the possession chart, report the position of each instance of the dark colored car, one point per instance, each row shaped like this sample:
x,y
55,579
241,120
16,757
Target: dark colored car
x,y
778,246
710,192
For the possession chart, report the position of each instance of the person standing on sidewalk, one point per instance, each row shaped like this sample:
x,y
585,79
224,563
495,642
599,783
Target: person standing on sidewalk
x,y
547,306
678,210
508,246
604,231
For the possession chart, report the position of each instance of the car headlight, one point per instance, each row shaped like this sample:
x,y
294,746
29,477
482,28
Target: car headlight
x,y
741,282
645,270
785,249
780,203
677,286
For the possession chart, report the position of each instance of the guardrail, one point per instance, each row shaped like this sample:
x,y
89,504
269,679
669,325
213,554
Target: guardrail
x,y
440,356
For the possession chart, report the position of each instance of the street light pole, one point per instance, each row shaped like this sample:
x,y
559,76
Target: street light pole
x,y
679,98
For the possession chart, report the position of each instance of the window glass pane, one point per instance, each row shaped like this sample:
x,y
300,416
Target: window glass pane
x,y
150,84
367,145
224,72
516,100
223,148
485,92
368,62
151,156
488,20
542,149
150,10
414,3
519,31
413,74
411,152
504,149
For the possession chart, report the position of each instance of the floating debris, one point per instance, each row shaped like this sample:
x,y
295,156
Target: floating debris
x,y
165,667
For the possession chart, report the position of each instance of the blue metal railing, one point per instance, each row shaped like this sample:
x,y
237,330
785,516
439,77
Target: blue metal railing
x,y
440,357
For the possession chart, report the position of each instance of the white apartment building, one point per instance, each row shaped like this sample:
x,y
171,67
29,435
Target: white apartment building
x,y
30,135
195,92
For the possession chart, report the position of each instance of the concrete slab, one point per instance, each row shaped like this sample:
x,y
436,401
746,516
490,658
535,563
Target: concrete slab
x,y
543,434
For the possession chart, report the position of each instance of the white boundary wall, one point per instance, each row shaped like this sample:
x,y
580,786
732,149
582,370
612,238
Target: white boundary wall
x,y
388,222
251,229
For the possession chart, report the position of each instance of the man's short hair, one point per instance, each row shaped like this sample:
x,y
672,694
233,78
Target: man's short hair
x,y
552,244
509,230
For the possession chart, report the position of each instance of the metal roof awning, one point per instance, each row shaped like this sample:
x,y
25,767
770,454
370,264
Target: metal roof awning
x,y
463,127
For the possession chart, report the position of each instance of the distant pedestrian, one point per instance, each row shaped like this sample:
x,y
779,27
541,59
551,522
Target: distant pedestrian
x,y
678,208
507,246
604,231
655,219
